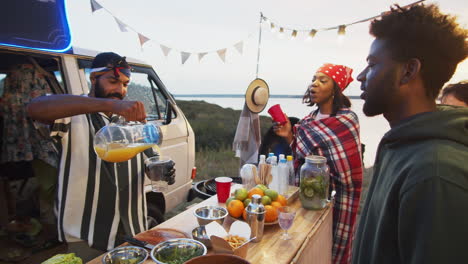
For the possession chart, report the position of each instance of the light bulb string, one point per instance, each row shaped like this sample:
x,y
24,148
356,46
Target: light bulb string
x,y
276,25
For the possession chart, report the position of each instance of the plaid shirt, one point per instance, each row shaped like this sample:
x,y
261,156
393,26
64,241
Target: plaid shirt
x,y
337,139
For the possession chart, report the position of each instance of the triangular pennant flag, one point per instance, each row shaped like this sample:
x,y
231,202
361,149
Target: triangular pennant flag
x,y
143,39
222,54
95,6
201,55
165,49
184,55
122,26
239,46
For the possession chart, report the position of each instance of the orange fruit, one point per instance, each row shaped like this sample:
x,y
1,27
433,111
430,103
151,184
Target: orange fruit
x,y
276,204
282,200
255,191
271,213
244,215
235,208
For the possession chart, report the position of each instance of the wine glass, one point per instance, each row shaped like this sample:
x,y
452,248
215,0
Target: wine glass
x,y
286,216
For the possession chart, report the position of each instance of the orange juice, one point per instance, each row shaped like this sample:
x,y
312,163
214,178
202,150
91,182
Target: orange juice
x,y
120,152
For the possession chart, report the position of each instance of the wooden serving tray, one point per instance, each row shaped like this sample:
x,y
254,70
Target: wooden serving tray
x,y
158,235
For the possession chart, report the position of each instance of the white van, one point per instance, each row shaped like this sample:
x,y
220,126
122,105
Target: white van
x,y
71,70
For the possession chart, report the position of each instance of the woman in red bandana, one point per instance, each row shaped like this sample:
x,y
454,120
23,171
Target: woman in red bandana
x,y
332,131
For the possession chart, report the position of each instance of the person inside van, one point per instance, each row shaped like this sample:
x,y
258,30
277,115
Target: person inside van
x,y
26,153
98,202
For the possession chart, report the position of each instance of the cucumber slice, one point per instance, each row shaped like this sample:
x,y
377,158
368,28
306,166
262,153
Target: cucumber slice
x,y
309,192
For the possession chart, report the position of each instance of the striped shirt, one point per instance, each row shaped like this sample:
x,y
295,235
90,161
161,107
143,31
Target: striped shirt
x,y
96,200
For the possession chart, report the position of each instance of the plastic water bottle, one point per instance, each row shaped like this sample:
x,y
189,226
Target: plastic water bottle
x,y
270,156
292,175
280,157
283,177
274,184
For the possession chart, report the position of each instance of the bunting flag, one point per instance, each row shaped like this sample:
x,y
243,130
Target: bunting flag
x,y
201,55
239,46
122,26
95,6
184,56
222,54
165,49
142,39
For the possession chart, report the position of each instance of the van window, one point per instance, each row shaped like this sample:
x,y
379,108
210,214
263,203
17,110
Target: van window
x,y
143,88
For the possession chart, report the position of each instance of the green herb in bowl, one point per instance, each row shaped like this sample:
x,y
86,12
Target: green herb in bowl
x,y
177,251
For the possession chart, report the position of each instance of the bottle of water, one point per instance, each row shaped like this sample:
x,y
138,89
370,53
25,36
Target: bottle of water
x,y
283,177
274,184
292,175
280,157
270,156
262,160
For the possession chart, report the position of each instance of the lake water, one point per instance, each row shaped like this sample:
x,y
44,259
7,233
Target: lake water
x,y
372,128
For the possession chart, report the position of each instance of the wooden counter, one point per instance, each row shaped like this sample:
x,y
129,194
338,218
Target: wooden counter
x,y
311,232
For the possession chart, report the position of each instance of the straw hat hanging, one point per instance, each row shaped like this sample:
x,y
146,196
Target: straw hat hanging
x,y
256,96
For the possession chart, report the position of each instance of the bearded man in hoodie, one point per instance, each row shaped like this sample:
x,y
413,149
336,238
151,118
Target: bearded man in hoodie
x,y
417,207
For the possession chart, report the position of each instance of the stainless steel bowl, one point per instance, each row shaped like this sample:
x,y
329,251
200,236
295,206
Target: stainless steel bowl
x,y
181,249
199,234
208,214
127,254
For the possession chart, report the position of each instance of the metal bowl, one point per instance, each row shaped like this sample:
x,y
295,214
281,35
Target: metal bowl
x,y
181,249
199,234
125,255
208,214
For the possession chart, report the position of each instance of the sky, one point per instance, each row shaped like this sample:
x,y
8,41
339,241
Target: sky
x,y
209,25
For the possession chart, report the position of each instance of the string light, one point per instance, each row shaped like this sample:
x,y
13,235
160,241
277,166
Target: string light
x,y
272,27
311,34
341,30
281,32
294,34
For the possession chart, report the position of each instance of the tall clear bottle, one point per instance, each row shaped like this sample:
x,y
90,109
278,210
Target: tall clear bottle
x,y
292,175
274,184
283,177
270,157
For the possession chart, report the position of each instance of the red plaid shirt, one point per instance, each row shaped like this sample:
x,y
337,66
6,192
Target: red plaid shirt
x,y
337,139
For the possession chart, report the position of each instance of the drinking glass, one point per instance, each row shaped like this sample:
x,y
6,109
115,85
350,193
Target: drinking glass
x,y
286,216
156,168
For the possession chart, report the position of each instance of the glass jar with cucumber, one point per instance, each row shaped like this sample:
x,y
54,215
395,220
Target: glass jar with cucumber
x,y
314,184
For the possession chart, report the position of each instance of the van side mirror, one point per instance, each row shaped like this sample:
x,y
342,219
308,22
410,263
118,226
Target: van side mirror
x,y
168,113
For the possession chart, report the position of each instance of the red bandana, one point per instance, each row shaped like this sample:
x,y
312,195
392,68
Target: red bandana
x,y
339,73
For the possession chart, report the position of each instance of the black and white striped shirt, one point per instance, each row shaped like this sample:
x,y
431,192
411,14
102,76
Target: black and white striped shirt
x,y
96,199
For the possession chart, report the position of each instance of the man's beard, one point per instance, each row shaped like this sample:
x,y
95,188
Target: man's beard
x,y
100,93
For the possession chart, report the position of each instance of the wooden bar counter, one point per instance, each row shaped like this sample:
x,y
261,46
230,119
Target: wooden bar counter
x,y
311,236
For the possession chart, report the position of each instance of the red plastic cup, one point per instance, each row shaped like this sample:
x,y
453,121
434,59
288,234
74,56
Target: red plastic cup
x,y
223,188
277,114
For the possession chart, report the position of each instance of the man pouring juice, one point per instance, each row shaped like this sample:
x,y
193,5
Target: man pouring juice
x,y
98,201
